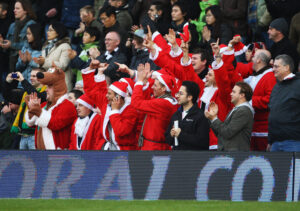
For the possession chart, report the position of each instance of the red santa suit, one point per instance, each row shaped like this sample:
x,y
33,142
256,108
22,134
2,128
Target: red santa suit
x,y
55,123
86,133
118,126
158,114
219,94
262,83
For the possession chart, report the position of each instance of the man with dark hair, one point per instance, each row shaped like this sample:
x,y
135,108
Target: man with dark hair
x,y
108,18
284,117
188,125
200,61
123,16
74,94
157,18
235,132
33,86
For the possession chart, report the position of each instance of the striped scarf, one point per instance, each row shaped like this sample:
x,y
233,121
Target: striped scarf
x,y
18,126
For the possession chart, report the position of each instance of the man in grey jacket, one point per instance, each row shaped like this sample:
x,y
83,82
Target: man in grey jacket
x,y
235,132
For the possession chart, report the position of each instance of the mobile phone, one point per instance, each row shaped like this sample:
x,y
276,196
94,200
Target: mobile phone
x,y
14,75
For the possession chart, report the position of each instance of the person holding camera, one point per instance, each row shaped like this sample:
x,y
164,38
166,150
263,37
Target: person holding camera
x,y
19,125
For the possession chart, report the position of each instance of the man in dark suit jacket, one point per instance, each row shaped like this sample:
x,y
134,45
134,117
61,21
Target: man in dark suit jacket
x,y
111,55
235,132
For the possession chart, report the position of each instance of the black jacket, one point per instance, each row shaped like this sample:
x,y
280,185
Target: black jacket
x,y
194,133
111,70
284,117
141,57
285,46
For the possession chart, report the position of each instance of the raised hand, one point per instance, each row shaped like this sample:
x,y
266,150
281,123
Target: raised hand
x,y
22,57
28,56
116,103
39,60
34,105
124,69
212,111
142,74
215,48
102,67
94,53
72,54
171,37
94,64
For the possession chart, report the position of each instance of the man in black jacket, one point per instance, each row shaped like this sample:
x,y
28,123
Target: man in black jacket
x,y
193,128
284,117
278,32
113,54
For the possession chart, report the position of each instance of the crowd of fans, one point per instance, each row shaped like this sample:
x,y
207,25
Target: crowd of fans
x,y
150,75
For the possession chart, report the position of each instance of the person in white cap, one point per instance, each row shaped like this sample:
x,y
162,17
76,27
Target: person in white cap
x,y
119,117
85,134
158,110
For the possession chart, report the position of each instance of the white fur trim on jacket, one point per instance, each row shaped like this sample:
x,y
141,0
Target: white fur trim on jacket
x,y
155,34
87,70
30,122
157,50
48,139
99,78
187,64
43,119
216,66
112,112
175,54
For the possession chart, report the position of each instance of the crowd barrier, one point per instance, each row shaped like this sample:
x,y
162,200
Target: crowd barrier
x,y
149,175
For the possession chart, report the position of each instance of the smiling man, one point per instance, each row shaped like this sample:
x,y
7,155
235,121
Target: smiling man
x,y
235,132
284,117
193,129
113,54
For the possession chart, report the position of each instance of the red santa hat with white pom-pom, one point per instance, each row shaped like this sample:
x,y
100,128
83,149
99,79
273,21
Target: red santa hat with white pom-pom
x,y
85,101
120,88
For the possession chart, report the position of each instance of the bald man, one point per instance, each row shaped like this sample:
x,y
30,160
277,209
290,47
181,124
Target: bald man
x,y
262,81
111,55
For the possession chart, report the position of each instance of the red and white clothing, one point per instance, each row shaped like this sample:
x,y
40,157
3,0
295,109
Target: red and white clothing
x,y
159,112
219,94
89,132
54,124
118,126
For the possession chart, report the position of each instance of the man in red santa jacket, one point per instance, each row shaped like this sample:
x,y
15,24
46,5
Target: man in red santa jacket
x,y
119,116
86,132
216,87
158,110
55,117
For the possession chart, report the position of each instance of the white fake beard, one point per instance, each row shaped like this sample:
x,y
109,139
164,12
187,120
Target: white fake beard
x,y
80,125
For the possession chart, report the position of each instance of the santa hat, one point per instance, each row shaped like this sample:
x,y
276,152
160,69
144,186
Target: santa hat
x,y
85,101
119,87
129,82
167,81
186,34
